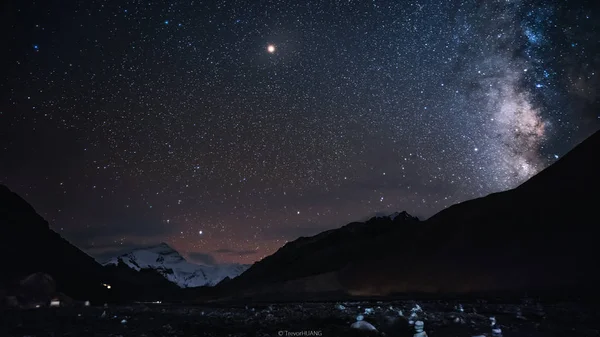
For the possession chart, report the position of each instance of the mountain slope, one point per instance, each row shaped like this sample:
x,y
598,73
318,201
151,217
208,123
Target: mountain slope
x,y
312,259
174,267
29,246
539,235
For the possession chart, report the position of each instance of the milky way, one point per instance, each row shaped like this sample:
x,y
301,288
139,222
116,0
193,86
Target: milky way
x,y
229,128
514,129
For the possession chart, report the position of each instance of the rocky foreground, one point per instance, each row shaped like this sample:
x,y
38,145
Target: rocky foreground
x,y
306,319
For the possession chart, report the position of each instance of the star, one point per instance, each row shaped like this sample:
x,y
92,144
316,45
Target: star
x,y
189,130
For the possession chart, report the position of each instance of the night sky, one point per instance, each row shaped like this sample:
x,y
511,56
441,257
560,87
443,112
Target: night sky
x,y
226,128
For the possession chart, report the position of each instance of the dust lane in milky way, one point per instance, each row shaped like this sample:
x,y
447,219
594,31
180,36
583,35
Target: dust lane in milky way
x,y
226,129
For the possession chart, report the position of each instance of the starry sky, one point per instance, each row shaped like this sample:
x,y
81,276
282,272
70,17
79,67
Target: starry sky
x,y
226,128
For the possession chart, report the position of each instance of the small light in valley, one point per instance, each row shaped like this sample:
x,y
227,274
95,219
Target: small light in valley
x,y
200,232
271,48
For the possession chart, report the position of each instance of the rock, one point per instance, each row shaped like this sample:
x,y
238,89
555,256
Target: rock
x,y
413,313
539,311
416,308
419,325
391,320
363,325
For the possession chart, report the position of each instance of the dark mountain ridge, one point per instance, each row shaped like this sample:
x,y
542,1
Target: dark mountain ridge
x,y
539,235
28,245
317,256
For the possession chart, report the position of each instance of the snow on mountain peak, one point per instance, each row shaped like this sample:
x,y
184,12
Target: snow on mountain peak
x,y
168,262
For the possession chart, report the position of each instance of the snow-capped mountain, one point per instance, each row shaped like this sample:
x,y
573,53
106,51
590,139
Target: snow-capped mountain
x,y
168,262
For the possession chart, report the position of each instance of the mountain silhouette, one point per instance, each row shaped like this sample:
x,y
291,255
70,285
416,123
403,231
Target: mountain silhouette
x,y
537,236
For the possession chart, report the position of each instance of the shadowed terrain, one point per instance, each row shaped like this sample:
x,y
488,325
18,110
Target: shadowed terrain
x,y
538,236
